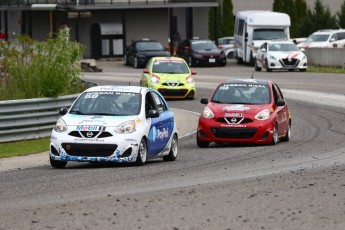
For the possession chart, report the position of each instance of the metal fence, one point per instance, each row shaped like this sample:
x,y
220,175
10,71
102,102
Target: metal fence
x,y
30,118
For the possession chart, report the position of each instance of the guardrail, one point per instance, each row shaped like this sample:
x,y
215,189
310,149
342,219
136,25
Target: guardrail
x,y
30,118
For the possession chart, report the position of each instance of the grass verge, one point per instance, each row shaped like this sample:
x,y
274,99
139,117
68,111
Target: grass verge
x,y
22,148
325,69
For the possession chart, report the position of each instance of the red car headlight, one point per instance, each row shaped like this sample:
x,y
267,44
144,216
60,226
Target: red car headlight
x,y
263,115
207,113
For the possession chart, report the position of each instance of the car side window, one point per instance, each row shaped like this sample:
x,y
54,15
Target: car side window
x,y
335,37
341,35
160,105
277,93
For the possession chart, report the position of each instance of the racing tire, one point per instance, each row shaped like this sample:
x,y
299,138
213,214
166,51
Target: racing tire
x,y
303,70
135,63
142,153
57,164
268,69
201,144
125,60
173,150
288,133
275,137
251,59
239,61
257,68
291,70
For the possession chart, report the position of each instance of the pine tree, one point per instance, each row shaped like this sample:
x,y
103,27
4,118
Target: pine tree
x,y
228,18
341,16
278,6
220,24
211,23
301,10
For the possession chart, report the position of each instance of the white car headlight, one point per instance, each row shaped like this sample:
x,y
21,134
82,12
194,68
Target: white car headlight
x,y
127,127
263,115
207,113
60,126
273,57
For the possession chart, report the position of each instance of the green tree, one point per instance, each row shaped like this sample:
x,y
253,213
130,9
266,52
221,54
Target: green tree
x,y
228,18
220,24
211,30
301,10
278,6
318,18
341,16
32,69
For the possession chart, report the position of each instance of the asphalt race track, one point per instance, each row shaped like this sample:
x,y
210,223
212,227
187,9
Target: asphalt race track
x,y
293,185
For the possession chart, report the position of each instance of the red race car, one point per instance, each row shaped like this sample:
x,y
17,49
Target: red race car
x,y
244,111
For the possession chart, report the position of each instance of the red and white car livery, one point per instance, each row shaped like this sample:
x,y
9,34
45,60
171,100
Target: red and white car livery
x,y
244,111
115,124
274,55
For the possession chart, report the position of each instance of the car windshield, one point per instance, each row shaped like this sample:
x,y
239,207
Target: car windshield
x,y
269,34
242,93
167,66
318,38
282,47
203,45
107,103
225,41
149,46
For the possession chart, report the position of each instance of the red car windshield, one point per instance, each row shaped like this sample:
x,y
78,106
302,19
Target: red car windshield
x,y
242,93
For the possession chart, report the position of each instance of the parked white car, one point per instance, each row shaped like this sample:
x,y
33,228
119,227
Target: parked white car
x,y
325,38
275,55
227,45
115,124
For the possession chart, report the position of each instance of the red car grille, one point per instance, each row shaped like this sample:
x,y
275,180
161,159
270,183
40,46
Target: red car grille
x,y
234,120
234,133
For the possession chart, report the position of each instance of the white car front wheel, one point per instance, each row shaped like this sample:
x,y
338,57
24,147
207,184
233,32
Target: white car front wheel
x,y
142,153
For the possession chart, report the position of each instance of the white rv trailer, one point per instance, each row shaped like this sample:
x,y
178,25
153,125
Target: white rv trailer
x,y
253,28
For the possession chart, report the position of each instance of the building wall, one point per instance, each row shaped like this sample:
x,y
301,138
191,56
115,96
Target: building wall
x,y
150,23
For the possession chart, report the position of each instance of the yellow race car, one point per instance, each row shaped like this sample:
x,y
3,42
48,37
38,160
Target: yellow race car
x,y
170,76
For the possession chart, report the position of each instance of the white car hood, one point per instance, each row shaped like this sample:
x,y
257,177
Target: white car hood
x,y
96,120
288,54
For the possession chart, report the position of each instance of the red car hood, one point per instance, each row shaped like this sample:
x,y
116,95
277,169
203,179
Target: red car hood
x,y
234,110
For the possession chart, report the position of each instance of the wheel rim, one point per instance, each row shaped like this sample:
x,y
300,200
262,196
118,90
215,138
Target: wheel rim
x,y
125,60
174,146
142,151
289,131
275,134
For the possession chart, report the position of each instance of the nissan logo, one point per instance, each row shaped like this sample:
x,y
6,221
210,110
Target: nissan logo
x,y
89,134
233,120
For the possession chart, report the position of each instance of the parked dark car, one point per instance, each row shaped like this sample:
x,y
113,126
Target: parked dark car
x,y
201,52
141,51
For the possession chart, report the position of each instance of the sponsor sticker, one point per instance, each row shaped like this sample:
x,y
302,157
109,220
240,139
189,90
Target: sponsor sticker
x,y
236,108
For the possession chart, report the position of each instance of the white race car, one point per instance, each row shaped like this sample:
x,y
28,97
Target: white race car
x,y
114,124
274,55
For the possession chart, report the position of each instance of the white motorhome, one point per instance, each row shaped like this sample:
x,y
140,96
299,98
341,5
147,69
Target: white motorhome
x,y
253,28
